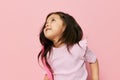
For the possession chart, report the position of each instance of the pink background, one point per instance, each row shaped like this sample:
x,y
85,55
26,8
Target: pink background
x,y
21,20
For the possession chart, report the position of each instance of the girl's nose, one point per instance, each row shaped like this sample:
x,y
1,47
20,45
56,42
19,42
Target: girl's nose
x,y
47,25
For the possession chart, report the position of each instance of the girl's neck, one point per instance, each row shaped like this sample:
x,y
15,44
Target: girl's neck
x,y
58,44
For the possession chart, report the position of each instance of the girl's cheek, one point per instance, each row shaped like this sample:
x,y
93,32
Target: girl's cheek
x,y
44,31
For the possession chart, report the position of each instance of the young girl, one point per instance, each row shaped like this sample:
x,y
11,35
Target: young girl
x,y
64,52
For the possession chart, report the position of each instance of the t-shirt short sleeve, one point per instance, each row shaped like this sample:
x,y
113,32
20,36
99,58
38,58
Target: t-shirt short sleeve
x,y
89,56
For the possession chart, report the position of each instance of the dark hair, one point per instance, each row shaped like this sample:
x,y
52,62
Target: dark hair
x,y
72,34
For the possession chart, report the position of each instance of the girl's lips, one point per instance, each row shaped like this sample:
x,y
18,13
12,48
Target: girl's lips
x,y
46,29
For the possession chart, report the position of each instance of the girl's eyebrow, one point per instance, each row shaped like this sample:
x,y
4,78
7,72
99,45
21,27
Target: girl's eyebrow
x,y
50,19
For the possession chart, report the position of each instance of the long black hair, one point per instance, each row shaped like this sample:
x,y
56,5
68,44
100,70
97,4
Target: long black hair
x,y
71,35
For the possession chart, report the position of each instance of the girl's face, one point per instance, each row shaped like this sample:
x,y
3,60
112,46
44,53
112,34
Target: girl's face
x,y
54,27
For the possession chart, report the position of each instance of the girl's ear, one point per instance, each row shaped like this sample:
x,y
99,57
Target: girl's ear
x,y
64,27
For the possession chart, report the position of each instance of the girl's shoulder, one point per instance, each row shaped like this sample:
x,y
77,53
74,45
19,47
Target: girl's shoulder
x,y
83,43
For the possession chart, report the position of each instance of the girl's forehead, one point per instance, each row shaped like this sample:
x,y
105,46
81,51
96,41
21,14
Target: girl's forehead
x,y
53,16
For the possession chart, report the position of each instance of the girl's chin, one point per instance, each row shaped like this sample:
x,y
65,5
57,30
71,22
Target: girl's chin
x,y
49,37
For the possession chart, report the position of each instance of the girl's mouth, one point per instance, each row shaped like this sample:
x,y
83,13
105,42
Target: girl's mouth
x,y
47,29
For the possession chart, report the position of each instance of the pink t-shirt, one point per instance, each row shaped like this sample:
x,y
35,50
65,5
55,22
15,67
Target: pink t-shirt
x,y
71,66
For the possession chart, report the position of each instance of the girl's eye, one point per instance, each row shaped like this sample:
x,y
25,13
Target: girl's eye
x,y
53,20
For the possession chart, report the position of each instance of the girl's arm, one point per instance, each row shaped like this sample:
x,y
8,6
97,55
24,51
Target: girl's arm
x,y
95,70
45,77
